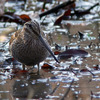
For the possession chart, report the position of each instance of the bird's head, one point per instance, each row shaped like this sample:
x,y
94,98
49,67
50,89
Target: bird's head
x,y
33,28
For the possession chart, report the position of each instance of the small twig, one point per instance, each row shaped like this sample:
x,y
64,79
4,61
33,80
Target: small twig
x,y
67,91
70,69
5,44
43,19
90,45
55,89
90,71
81,35
55,9
44,4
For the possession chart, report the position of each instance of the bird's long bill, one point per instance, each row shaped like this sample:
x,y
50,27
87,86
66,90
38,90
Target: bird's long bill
x,y
41,39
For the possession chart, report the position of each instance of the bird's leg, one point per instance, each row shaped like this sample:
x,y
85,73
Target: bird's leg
x,y
23,66
38,72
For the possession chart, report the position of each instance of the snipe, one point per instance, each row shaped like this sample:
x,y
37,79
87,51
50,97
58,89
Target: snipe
x,y
28,47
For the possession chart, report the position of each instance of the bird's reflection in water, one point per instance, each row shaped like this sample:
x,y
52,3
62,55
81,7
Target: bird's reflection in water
x,y
30,88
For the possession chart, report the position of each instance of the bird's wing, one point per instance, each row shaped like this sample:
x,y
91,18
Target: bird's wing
x,y
14,36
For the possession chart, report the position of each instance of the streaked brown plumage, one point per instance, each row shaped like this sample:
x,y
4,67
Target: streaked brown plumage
x,y
27,46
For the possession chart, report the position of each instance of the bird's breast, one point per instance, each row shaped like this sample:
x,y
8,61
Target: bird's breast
x,y
29,52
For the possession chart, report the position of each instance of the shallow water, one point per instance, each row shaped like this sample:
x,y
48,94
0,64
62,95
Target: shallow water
x,y
75,78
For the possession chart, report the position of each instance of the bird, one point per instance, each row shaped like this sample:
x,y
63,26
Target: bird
x,y
28,46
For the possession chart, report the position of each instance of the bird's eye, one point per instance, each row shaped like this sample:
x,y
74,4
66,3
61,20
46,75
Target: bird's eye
x,y
29,25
